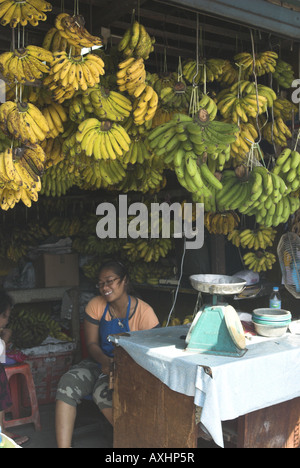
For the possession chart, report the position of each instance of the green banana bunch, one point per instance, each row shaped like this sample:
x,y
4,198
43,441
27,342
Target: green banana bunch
x,y
284,74
287,166
136,42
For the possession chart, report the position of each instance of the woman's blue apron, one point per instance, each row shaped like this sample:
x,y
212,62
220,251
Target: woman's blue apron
x,y
111,327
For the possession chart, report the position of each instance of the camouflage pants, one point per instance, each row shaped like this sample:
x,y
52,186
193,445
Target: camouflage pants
x,y
83,379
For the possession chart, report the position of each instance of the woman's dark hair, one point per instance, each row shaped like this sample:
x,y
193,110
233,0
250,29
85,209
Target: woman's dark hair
x,y
6,301
120,270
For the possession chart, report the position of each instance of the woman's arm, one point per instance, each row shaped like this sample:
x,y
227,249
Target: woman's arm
x,y
92,343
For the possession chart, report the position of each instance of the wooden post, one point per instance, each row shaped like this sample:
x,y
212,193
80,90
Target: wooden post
x,y
217,252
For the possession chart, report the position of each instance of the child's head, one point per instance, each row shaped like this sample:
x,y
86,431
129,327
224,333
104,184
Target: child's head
x,y
6,305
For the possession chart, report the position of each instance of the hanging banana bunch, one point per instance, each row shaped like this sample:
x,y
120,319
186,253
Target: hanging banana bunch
x,y
23,12
25,64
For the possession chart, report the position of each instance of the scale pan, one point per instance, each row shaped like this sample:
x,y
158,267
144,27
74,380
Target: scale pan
x,y
218,284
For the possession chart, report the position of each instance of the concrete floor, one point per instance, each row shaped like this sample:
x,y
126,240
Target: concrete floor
x,y
92,430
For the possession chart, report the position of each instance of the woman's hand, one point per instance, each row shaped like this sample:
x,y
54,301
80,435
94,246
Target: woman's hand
x,y
6,335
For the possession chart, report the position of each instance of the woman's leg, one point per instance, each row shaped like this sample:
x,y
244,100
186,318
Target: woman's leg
x,y
65,416
102,396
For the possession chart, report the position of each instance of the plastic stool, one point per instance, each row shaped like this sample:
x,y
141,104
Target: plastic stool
x,y
15,409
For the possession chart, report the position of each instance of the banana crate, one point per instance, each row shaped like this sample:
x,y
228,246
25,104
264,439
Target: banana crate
x,y
48,363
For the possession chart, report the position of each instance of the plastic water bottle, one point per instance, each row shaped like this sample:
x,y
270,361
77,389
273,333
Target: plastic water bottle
x,y
275,299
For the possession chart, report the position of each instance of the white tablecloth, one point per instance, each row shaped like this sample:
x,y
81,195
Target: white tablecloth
x,y
267,374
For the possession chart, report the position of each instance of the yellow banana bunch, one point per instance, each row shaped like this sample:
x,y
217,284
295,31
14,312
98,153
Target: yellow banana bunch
x,y
55,42
287,166
106,104
77,109
23,12
239,102
221,223
131,76
229,76
265,62
150,273
102,139
55,116
20,179
162,116
277,131
71,73
145,106
259,261
208,70
172,91
72,28
25,64
136,42
256,239
52,148
245,137
148,250
208,104
234,237
284,74
25,122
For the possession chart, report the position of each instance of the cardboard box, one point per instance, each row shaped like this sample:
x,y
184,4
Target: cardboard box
x,y
57,270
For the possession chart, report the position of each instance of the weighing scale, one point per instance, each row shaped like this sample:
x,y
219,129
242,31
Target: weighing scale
x,y
217,329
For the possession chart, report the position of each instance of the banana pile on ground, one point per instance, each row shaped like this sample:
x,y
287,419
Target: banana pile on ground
x,y
262,63
106,104
30,328
72,28
221,223
24,122
69,73
205,71
259,238
284,74
287,166
240,101
259,261
182,142
102,139
136,42
25,64
23,12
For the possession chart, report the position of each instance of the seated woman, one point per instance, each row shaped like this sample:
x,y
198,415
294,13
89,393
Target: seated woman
x,y
5,334
114,311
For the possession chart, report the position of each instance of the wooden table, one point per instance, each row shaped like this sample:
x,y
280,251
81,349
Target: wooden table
x,y
148,414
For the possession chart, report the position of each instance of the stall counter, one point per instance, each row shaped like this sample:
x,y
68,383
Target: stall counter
x,y
224,387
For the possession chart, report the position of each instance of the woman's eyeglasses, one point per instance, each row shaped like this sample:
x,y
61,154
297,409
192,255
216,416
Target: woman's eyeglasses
x,y
107,283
